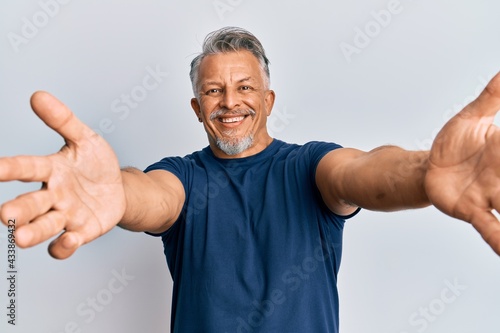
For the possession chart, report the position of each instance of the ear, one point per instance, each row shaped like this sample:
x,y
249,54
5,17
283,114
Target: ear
x,y
269,99
195,105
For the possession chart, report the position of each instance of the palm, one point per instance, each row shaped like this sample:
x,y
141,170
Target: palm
x,y
82,192
463,178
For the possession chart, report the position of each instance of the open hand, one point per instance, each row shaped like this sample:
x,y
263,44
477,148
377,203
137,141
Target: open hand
x,y
82,195
463,177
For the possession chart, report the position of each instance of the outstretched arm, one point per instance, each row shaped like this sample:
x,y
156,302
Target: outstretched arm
x,y
387,178
84,193
460,175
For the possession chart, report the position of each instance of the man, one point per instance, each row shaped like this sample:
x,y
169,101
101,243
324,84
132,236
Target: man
x,y
252,226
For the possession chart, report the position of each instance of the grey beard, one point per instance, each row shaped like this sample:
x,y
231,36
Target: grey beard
x,y
234,146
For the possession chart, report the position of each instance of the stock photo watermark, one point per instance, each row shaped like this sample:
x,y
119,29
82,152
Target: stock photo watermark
x,y
426,143
405,170
426,315
123,105
292,279
31,27
222,7
279,120
12,273
89,309
364,34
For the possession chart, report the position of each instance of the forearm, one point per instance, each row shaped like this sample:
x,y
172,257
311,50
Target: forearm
x,y
148,206
388,178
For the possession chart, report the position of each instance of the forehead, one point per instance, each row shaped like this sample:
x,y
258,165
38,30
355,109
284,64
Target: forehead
x,y
230,66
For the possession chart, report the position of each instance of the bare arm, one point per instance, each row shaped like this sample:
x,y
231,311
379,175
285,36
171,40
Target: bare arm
x,y
387,178
460,175
154,200
84,193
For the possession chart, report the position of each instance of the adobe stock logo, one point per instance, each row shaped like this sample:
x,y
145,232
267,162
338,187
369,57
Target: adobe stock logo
x,y
426,315
279,120
293,278
30,28
224,6
132,99
378,21
97,302
426,143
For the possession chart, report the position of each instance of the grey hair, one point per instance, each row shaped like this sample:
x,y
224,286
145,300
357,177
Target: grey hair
x,y
229,39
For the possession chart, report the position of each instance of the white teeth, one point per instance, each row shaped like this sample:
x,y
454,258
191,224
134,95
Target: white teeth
x,y
232,120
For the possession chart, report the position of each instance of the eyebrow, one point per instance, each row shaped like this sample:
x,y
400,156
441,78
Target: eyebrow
x,y
209,83
248,78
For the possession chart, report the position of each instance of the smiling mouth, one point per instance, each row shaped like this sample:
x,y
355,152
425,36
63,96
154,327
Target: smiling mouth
x,y
231,120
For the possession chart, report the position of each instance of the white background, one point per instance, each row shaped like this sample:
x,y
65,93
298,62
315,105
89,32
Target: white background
x,y
414,72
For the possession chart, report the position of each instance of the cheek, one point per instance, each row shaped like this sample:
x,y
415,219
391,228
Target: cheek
x,y
207,111
208,104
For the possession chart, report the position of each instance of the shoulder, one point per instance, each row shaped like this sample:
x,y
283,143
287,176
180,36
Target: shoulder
x,y
177,162
309,148
313,152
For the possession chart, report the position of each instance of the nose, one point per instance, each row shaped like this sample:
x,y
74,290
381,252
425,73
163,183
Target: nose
x,y
230,99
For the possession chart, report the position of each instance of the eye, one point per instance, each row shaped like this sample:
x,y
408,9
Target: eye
x,y
214,91
245,88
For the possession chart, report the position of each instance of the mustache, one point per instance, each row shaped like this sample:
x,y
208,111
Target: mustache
x,y
236,112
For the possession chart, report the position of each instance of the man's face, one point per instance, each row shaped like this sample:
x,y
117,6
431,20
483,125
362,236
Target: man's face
x,y
233,104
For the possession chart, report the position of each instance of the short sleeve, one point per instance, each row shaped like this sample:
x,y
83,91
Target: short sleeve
x,y
317,150
176,165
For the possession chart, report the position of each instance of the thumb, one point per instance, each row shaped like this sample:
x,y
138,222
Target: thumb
x,y
488,227
487,103
65,245
59,117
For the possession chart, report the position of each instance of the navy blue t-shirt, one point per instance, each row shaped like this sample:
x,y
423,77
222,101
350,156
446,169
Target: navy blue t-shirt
x,y
255,249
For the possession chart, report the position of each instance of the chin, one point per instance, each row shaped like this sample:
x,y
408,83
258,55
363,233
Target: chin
x,y
231,146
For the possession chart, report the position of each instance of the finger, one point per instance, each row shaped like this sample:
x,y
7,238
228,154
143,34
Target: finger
x,y
41,229
59,117
25,168
28,206
489,227
83,229
65,245
487,103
